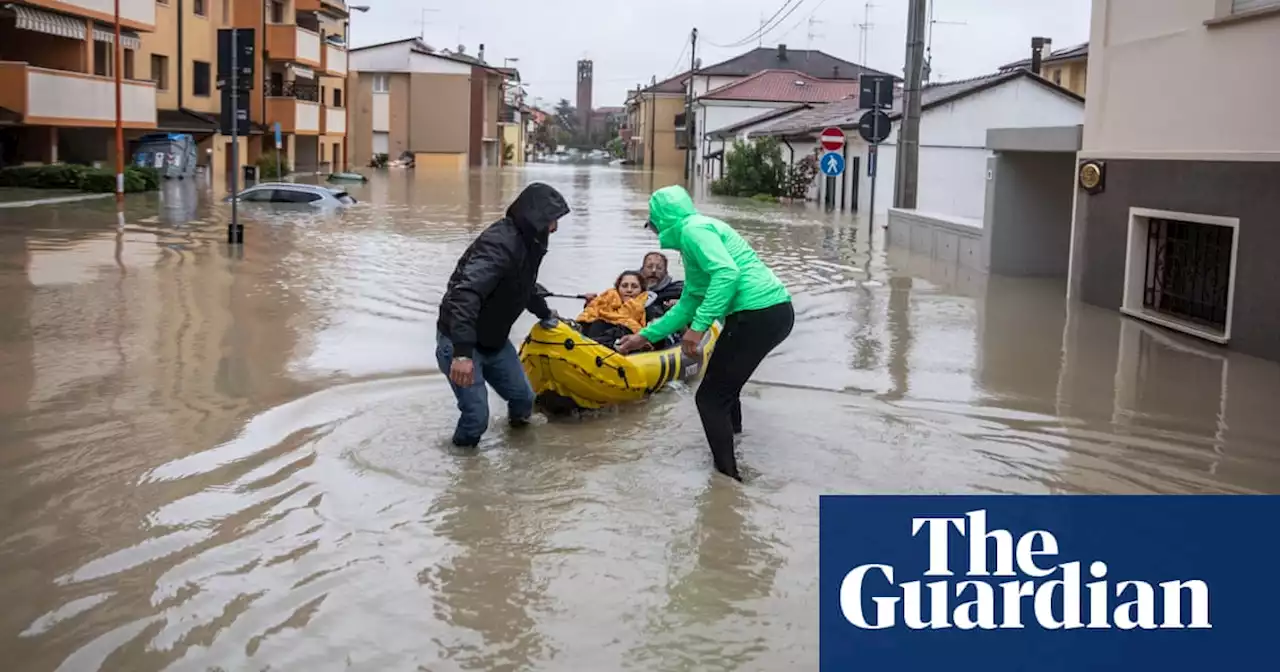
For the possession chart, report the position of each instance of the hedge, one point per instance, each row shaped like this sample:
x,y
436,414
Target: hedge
x,y
84,178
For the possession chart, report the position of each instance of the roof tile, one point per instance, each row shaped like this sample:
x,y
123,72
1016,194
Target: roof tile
x,y
784,86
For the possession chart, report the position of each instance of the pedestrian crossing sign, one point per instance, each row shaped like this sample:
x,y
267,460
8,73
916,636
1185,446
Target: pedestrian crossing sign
x,y
831,164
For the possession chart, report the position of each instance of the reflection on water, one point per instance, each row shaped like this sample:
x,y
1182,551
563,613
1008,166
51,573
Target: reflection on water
x,y
239,459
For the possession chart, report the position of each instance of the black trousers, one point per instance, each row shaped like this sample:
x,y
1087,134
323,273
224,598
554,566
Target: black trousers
x,y
748,337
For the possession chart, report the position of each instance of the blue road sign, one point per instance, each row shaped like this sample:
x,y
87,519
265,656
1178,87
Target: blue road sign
x,y
277,130
831,164
871,160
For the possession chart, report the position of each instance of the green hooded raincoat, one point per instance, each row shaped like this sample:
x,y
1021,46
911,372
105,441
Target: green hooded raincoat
x,y
723,275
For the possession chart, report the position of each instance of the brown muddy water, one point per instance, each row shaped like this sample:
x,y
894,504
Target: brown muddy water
x,y
239,460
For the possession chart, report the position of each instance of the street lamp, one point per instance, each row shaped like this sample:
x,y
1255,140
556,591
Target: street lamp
x,y
346,138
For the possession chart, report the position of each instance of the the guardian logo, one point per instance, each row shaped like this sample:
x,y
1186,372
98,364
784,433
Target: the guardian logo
x,y
1038,590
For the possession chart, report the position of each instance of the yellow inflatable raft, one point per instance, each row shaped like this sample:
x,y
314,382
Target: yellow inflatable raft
x,y
570,372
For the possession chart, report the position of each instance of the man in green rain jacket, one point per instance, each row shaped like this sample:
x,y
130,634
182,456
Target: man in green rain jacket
x,y
726,281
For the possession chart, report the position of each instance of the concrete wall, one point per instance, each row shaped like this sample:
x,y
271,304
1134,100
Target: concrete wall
x,y
1028,218
1072,75
713,116
937,236
1142,56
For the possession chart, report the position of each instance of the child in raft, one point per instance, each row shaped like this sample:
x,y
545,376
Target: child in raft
x,y
617,312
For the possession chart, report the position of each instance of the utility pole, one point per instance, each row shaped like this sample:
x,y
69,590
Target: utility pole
x,y
688,108
906,184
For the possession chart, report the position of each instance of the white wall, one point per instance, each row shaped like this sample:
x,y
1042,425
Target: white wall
x,y
700,83
953,155
308,45
142,11
308,117
335,59
402,58
54,95
1144,58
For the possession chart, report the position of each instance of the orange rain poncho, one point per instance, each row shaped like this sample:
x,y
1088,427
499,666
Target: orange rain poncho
x,y
609,307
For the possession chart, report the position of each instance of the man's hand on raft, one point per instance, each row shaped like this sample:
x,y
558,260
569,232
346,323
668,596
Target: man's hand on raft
x,y
462,372
632,342
689,344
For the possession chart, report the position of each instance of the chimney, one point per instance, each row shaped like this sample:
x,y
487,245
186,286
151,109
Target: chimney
x,y
481,54
782,52
1039,48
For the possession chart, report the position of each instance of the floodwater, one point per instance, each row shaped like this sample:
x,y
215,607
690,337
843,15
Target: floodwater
x,y
239,460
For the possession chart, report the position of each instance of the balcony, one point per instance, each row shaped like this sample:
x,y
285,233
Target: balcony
x,y
335,60
335,121
295,106
137,14
287,42
307,5
46,97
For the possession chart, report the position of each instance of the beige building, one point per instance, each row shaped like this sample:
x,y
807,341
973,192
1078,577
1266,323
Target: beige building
x,y
652,114
1175,212
1068,68
303,76
441,107
57,84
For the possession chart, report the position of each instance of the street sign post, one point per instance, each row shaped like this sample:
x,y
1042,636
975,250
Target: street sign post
x,y
832,139
832,164
279,144
875,95
235,78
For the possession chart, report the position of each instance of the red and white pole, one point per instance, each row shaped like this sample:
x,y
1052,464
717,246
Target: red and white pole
x,y
117,64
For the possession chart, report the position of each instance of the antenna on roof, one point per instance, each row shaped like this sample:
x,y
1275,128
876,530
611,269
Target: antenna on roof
x,y
422,26
928,49
808,47
864,28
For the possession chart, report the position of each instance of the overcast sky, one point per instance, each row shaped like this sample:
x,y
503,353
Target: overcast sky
x,y
633,40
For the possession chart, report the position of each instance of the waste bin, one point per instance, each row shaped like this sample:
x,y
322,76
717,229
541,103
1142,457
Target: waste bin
x,y
250,175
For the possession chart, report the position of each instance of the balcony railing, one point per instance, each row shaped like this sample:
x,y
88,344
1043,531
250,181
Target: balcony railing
x,y
287,42
61,98
335,121
293,89
335,60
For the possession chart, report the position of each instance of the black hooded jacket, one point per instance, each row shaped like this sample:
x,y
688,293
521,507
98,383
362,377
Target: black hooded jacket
x,y
495,279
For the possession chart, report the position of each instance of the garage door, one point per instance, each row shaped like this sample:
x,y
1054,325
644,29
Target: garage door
x,y
381,143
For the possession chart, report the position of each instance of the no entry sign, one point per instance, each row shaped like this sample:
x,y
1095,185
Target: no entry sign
x,y
832,139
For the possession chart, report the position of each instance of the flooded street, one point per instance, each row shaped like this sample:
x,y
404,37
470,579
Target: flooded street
x,y
240,459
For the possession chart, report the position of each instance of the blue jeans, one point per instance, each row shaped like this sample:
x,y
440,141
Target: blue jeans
x,y
500,369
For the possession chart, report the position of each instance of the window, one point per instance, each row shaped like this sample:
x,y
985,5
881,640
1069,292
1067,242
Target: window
x,y
198,6
128,63
277,12
1242,6
295,196
160,71
257,196
1180,271
337,97
200,78
381,83
102,59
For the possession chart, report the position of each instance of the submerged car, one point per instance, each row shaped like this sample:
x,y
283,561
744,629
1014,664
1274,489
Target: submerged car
x,y
292,193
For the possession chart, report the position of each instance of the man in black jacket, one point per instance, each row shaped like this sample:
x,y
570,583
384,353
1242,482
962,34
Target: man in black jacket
x,y
496,280
664,291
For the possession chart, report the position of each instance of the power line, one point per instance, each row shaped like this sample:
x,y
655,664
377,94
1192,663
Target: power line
x,y
811,21
759,33
679,59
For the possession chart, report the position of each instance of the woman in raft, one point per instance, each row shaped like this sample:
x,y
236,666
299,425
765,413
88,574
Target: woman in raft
x,y
617,312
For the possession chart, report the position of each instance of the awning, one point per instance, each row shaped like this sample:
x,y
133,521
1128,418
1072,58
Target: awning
x,y
302,71
128,38
48,23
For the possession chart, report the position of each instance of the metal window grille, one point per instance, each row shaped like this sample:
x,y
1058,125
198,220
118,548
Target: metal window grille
x,y
1188,271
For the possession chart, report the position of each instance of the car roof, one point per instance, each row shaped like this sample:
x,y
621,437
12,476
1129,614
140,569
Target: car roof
x,y
295,186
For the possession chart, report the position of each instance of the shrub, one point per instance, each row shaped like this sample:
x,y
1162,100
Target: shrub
x,y
752,168
273,165
800,176
83,178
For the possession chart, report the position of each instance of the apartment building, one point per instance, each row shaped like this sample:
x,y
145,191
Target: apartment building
x,y
1176,200
57,86
1068,68
652,113
303,75
441,107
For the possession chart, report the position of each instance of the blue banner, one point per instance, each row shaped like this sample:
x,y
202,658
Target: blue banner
x,y
1079,583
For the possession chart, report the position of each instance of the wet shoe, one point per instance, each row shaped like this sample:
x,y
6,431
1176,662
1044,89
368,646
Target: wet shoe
x,y
520,422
